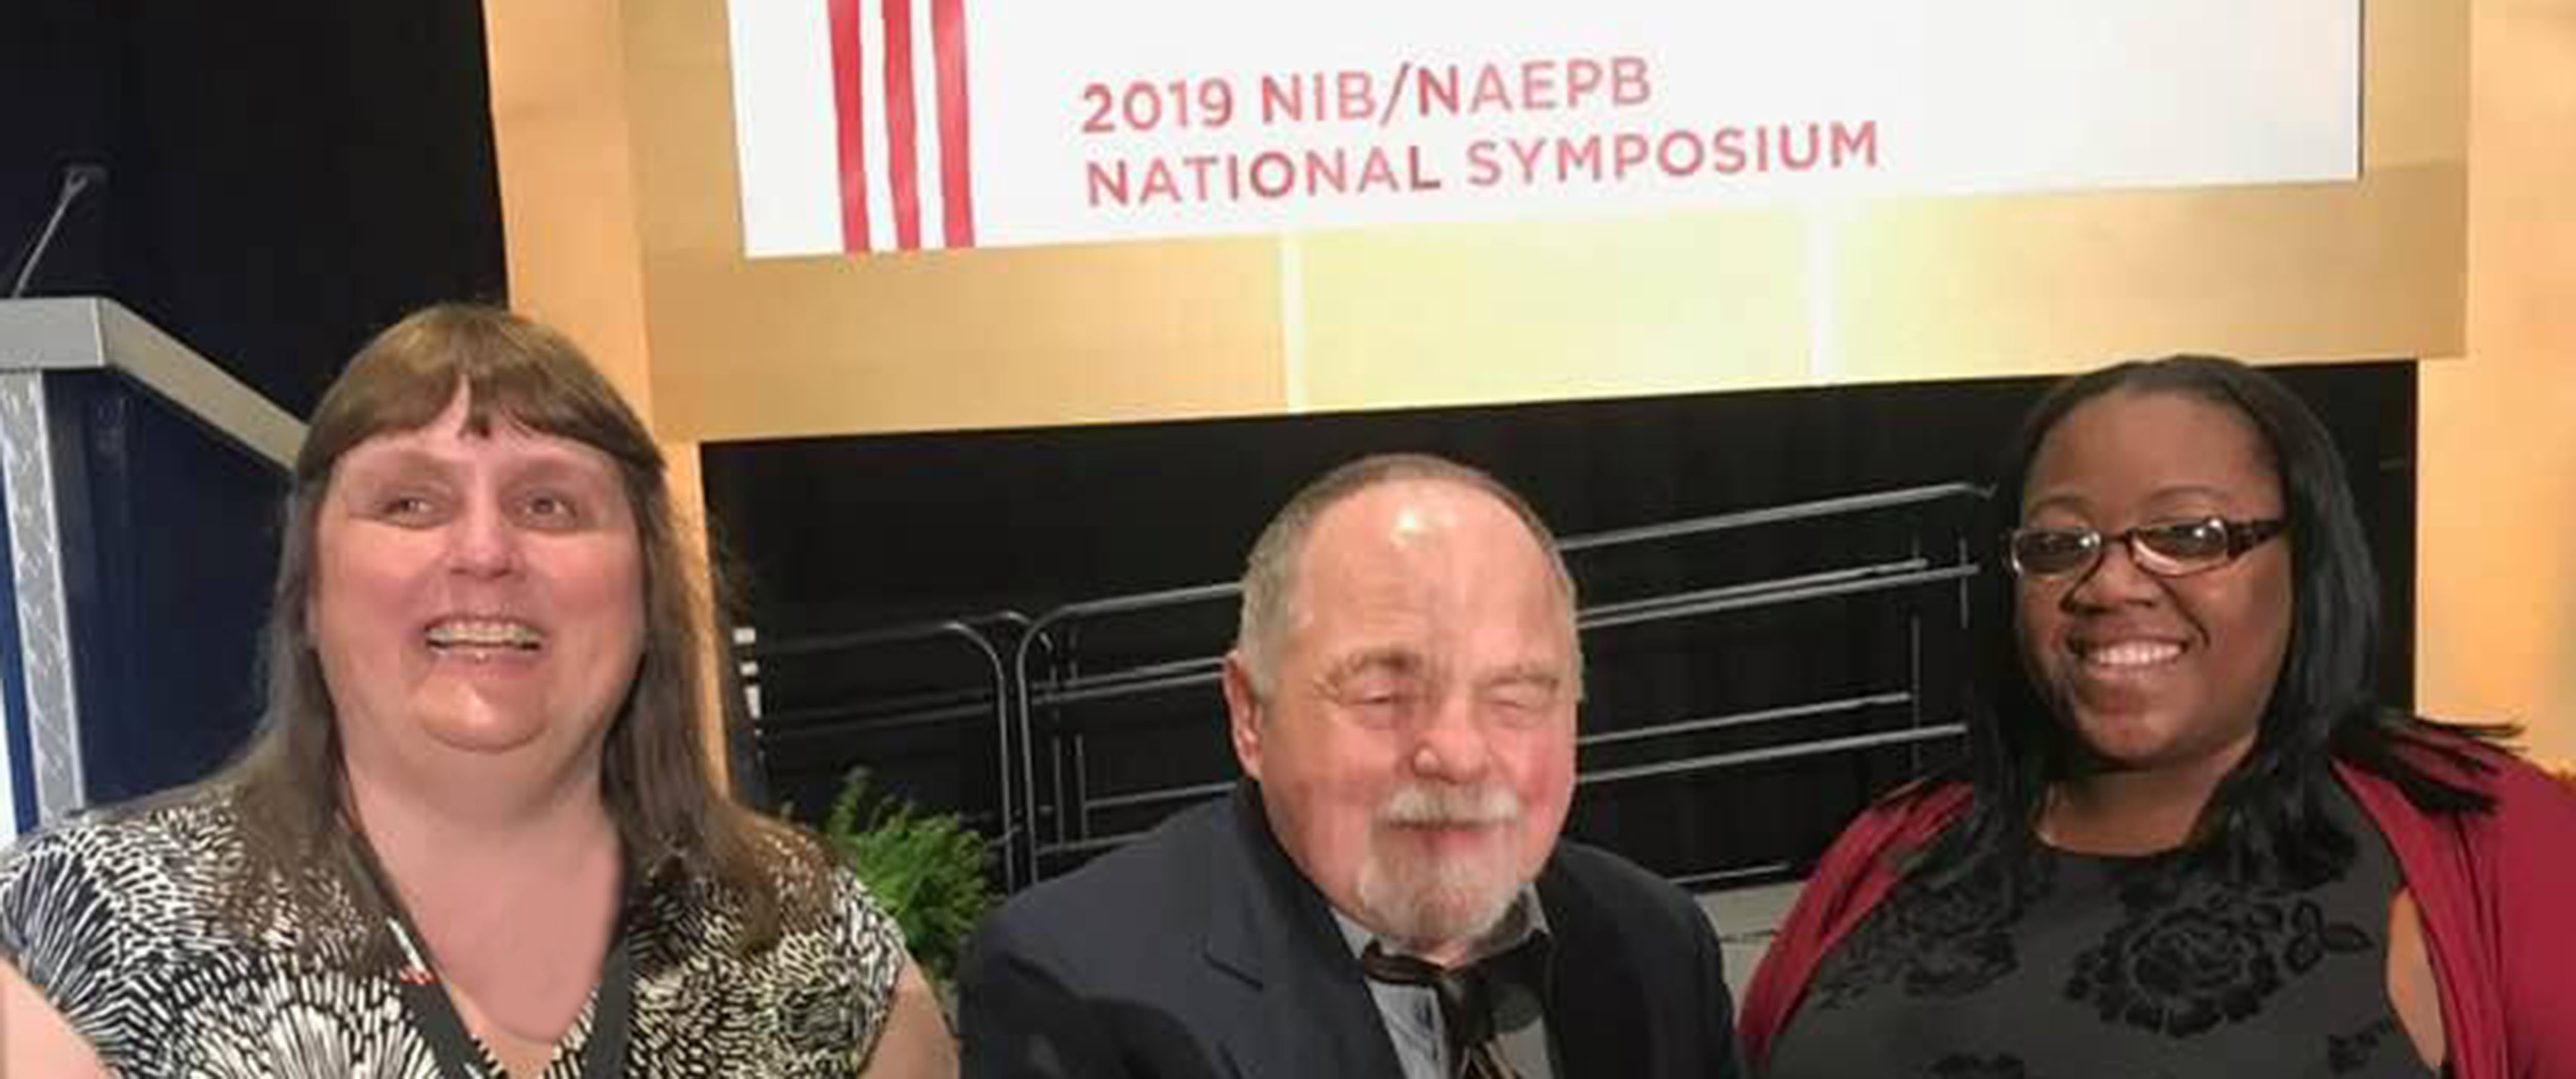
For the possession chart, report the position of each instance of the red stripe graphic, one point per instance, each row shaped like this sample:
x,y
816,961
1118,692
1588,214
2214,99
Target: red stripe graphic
x,y
956,168
902,160
851,111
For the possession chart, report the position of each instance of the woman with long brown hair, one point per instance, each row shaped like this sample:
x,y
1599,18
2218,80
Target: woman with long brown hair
x,y
479,832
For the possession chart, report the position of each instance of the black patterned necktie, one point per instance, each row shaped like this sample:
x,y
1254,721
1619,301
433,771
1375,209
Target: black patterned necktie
x,y
1466,1009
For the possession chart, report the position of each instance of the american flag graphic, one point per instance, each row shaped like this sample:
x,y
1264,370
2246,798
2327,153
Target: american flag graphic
x,y
886,79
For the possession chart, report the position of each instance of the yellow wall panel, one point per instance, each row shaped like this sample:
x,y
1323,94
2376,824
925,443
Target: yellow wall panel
x,y
1490,313
2496,614
2027,285
1423,315
984,339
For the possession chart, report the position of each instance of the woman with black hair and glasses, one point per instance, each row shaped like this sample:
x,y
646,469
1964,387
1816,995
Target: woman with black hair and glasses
x,y
2187,840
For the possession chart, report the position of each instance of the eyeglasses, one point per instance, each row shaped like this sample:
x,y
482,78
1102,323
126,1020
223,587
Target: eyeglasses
x,y
2165,548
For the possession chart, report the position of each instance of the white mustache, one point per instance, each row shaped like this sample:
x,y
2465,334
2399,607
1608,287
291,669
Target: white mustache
x,y
1421,805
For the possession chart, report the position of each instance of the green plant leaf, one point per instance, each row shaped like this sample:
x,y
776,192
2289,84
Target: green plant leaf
x,y
927,870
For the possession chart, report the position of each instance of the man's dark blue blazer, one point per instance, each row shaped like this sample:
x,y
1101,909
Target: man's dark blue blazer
x,y
1201,951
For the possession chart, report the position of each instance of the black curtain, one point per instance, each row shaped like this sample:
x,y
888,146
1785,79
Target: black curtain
x,y
282,178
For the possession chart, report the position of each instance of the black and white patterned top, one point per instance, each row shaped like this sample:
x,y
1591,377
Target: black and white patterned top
x,y
113,915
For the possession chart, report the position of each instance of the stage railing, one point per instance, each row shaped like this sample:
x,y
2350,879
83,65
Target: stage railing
x,y
1046,693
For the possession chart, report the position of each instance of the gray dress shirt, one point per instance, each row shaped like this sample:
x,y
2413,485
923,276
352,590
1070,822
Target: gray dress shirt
x,y
1412,1012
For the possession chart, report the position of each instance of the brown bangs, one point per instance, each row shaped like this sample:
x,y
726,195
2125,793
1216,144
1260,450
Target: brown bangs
x,y
514,372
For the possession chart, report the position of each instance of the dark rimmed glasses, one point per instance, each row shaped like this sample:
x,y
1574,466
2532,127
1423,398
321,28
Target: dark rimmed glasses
x,y
2163,548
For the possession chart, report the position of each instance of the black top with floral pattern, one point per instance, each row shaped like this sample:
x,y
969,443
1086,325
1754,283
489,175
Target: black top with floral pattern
x,y
2114,967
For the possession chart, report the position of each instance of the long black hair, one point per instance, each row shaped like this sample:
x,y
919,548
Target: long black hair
x,y
2268,815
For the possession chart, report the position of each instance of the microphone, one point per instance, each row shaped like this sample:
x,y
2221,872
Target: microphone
x,y
76,179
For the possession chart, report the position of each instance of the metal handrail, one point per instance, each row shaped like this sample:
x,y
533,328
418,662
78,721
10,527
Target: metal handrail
x,y
1793,511
1731,720
1030,693
1744,589
1150,678
800,723
1733,758
962,629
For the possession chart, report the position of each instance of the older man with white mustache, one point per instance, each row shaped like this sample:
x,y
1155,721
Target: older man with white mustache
x,y
1385,895
1424,902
